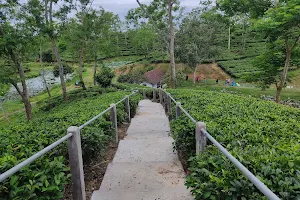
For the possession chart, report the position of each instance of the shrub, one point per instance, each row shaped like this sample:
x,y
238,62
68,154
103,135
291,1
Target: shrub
x,y
47,56
46,177
124,78
67,69
105,77
262,135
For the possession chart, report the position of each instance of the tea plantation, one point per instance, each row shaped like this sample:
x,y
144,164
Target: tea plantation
x,y
46,177
263,136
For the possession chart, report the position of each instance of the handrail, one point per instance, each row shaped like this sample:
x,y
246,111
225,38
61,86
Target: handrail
x,y
94,118
259,185
29,160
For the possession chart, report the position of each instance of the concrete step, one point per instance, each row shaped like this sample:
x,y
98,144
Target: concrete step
x,y
177,193
145,150
142,176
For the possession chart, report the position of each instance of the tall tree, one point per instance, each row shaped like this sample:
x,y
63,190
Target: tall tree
x,y
281,26
42,65
15,40
144,39
196,45
47,20
84,32
160,14
172,40
240,12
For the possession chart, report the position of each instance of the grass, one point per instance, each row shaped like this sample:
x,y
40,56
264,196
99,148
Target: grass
x,y
243,90
123,58
35,69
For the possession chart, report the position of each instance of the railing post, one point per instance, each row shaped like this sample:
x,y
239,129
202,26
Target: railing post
x,y
178,110
127,108
166,102
154,95
113,118
160,97
76,164
169,104
144,93
200,137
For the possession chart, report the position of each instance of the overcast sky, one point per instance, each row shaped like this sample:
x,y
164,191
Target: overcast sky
x,y
121,7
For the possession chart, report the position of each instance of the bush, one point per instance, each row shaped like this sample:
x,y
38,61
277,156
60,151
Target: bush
x,y
47,56
263,136
105,77
46,177
124,78
67,69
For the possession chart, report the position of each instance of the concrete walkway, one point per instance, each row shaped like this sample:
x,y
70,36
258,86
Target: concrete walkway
x,y
145,166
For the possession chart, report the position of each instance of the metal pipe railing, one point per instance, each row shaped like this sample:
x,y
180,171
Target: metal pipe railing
x,y
74,149
261,186
19,166
202,134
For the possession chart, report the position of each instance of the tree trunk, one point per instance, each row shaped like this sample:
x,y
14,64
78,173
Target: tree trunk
x,y
172,38
95,69
43,71
24,93
284,73
278,91
81,65
195,74
61,69
229,37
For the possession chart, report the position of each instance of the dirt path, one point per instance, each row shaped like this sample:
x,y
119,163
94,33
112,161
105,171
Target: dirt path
x,y
210,71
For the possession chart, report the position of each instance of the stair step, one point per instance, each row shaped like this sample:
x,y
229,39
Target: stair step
x,y
177,193
145,150
142,176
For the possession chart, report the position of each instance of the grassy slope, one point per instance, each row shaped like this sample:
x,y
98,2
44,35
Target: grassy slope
x,y
251,91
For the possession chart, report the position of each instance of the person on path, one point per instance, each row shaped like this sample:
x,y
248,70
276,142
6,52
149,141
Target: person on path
x,y
197,79
187,77
233,83
204,80
217,81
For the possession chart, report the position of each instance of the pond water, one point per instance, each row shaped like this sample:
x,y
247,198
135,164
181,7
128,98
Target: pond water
x,y
36,85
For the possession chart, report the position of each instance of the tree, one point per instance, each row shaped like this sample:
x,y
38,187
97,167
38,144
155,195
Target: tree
x,y
47,21
238,11
172,40
196,45
160,14
16,37
104,77
281,26
84,30
43,69
100,23
143,40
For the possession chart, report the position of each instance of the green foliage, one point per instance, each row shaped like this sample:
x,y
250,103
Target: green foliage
x,y
104,77
3,89
67,69
47,56
143,40
46,177
124,78
196,45
262,135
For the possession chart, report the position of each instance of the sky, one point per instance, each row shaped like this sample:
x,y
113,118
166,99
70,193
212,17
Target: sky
x,y
121,7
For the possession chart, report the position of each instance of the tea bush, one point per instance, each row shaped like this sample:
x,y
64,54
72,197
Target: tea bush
x,y
263,136
46,177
